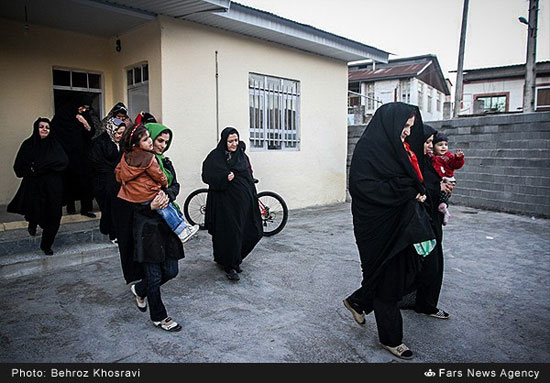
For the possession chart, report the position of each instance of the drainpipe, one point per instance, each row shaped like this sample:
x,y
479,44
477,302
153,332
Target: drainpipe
x,y
217,102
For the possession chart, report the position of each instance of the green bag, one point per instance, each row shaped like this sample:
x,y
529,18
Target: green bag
x,y
425,248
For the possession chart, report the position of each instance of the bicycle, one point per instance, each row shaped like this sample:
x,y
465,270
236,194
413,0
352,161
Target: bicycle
x,y
273,210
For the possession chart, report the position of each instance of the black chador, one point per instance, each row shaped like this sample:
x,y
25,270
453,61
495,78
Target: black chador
x,y
104,157
430,278
387,219
40,162
232,212
77,142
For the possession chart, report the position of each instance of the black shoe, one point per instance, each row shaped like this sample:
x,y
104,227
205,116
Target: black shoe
x,y
232,275
48,251
238,269
88,214
71,209
32,229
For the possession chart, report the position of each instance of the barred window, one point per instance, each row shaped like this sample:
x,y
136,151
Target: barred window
x,y
405,88
274,112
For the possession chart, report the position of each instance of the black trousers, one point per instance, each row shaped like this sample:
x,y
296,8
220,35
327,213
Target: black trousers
x,y
389,321
48,233
429,281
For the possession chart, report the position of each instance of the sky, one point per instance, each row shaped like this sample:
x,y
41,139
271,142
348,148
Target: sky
x,y
407,28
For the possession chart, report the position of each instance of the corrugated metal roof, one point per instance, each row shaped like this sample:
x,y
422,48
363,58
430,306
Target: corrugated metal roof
x,y
267,26
510,71
103,18
386,71
425,68
174,8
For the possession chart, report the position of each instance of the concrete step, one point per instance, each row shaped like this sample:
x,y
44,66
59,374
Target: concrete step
x,y
455,136
74,229
542,154
491,202
507,162
32,262
473,167
509,144
512,179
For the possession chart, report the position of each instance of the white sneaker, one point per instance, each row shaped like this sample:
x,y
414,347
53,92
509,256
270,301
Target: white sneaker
x,y
188,232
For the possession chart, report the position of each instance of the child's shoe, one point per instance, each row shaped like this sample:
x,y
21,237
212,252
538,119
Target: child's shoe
x,y
188,232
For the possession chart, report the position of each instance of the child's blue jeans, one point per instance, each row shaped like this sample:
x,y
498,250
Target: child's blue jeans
x,y
173,218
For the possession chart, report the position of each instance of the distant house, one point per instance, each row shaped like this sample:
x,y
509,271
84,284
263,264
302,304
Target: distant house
x,y
415,80
500,89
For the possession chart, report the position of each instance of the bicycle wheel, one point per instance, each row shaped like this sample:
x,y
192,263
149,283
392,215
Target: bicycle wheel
x,y
194,207
274,212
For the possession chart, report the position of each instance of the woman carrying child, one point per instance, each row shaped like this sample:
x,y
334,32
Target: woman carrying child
x,y
148,246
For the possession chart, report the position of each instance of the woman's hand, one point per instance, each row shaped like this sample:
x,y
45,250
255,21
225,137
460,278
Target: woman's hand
x,y
230,176
420,197
83,121
160,201
447,187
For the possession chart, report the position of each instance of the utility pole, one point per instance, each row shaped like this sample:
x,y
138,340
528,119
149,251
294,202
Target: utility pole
x,y
531,61
459,75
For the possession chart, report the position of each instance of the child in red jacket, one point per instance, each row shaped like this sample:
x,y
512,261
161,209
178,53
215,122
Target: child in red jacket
x,y
142,178
445,163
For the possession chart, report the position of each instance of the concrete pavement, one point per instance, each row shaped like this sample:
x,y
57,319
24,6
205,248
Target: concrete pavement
x,y
287,307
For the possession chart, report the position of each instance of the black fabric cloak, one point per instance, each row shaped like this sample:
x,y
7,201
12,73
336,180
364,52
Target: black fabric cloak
x,y
104,157
232,212
76,142
40,162
430,277
387,219
143,235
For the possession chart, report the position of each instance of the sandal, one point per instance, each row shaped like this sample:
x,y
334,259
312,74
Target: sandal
x,y
140,302
400,351
168,325
440,314
357,313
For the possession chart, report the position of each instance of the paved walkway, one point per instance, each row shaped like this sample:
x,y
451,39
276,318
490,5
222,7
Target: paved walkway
x,y
288,305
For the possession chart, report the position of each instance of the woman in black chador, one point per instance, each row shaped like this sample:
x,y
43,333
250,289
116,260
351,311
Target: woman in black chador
x,y
390,223
74,129
40,161
430,278
232,212
104,157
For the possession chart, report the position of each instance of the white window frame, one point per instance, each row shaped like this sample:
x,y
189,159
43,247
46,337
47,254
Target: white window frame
x,y
133,85
430,99
82,89
405,91
279,130
420,95
537,97
438,105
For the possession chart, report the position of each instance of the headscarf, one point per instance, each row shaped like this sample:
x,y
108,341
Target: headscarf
x,y
118,108
155,129
380,154
112,126
43,154
65,118
236,161
383,184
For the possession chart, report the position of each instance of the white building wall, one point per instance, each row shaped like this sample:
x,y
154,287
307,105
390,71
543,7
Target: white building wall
x,y
26,64
313,175
514,87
